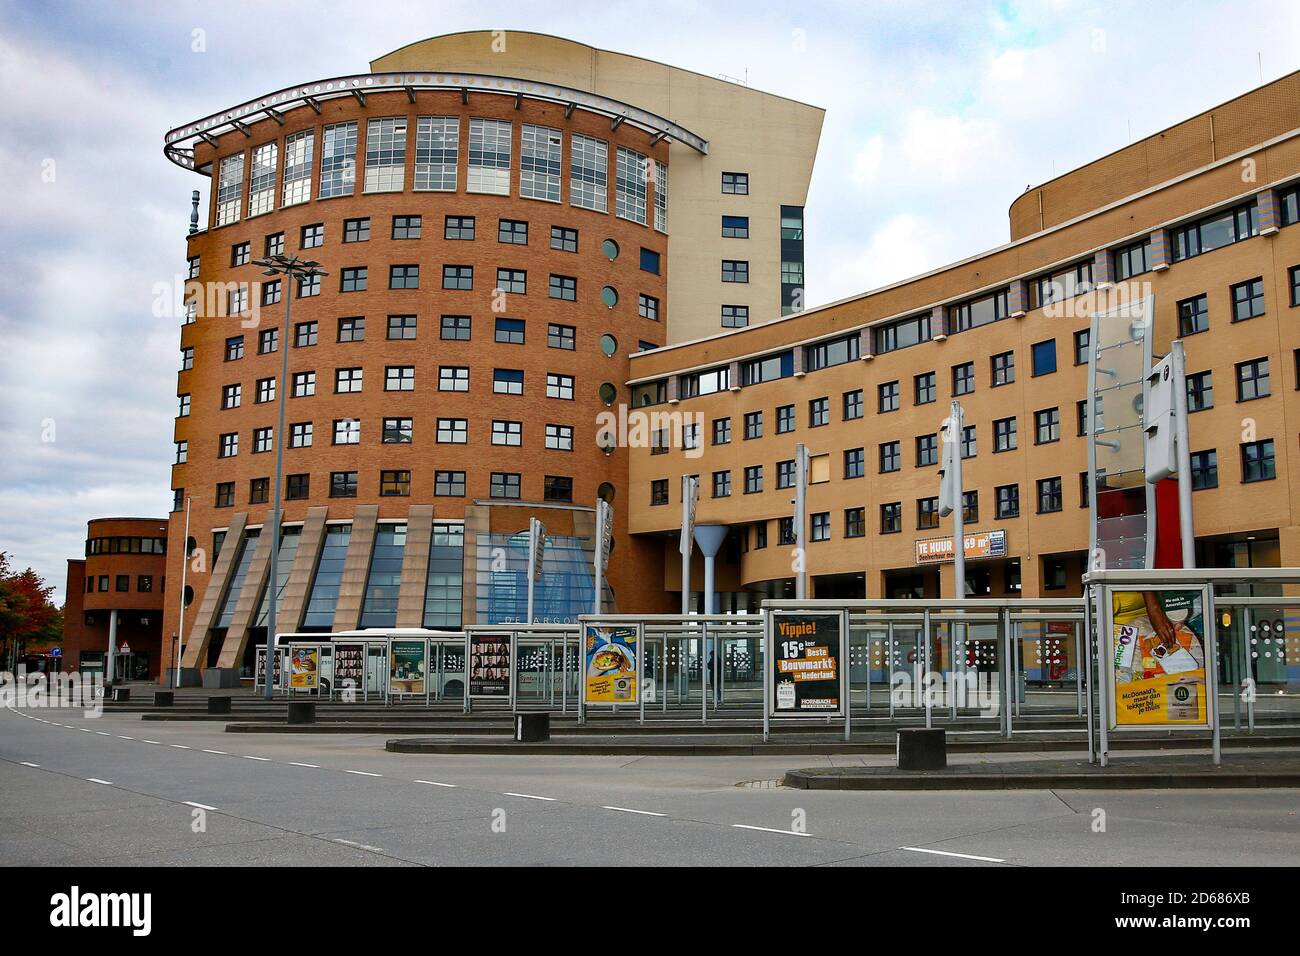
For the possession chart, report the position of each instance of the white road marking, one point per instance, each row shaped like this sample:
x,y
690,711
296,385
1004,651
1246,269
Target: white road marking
x,y
125,737
83,730
644,813
363,773
201,806
746,826
528,796
179,746
221,753
963,856
27,764
103,733
435,783
107,783
294,763
251,757
157,743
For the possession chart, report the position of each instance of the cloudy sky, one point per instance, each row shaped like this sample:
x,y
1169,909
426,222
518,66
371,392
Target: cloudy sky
x,y
938,115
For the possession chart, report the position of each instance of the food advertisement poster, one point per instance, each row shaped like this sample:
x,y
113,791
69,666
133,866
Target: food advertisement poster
x,y
406,666
612,664
1157,658
304,668
489,666
806,676
350,666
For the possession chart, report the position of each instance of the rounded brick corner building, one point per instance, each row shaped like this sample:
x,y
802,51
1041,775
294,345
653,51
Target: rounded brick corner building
x,y
494,249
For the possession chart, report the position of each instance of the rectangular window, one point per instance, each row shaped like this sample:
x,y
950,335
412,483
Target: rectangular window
x,y
504,484
630,185
394,484
1057,287
513,232
540,157
588,173
753,479
1049,495
1003,368
312,235
1193,315
974,313
1008,501
753,425
647,307
1047,426
514,281
927,450
510,331
240,254
347,431
767,369
853,407
399,378
834,352
489,156
565,240
225,498
453,378
259,491
398,431
735,270
268,340
888,397
819,412
230,189
650,261
735,227
230,396
271,292
969,442
1200,391
855,462
458,227
404,277
299,152
508,381
735,184
927,513
308,286
1205,470
401,326
559,437
891,517
1214,232
456,277
560,337
559,386
925,388
722,484
455,328
386,155
735,316
1082,339
507,433
304,384
722,431
659,491
1252,380
1044,357
820,526
784,419
343,484
300,434
855,522
1257,461
449,484
891,456
1132,260
263,440
338,161
963,378
347,380
353,279
785,473
557,488
1248,300
453,431
437,145
228,445
901,334
563,287
1294,275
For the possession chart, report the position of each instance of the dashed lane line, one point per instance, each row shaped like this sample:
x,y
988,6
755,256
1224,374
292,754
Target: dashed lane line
x,y
528,796
747,826
961,856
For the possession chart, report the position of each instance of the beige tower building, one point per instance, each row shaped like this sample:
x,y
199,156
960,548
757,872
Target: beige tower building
x,y
735,213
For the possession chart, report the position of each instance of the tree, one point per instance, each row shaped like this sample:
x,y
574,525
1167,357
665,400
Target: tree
x,y
26,612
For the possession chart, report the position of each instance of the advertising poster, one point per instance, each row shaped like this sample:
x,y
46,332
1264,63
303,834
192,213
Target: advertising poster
x,y
611,664
806,664
304,668
489,666
406,667
350,667
261,669
1158,658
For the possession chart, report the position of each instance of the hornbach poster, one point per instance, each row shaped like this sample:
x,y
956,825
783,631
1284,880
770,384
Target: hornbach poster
x,y
807,660
612,664
1158,658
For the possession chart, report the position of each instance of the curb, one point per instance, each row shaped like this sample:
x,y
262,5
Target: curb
x,y
1102,780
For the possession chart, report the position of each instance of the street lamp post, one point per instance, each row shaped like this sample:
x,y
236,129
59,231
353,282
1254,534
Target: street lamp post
x,y
291,267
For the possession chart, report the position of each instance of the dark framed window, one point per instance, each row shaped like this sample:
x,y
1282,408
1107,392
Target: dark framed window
x,y
259,491
563,287
514,281
969,442
753,425
512,232
557,488
397,431
509,331
1007,501
925,388
650,261
1213,232
234,348
735,227
853,405
891,456
927,450
1258,462
647,306
356,230
343,484
561,337
1205,469
564,239
891,517
722,431
401,326
458,227
820,526
784,419
353,279
855,462
1002,368
887,397
735,184
1047,426
785,531
394,484
449,484
785,473
455,328
1247,300
1132,260
457,277
405,277
735,316
1049,495
1294,275
1193,315
297,487
268,340
408,227
305,334
855,522
722,484
963,378
1252,380
313,235
819,412
504,484
1082,339
927,513
1200,391
735,270
753,479
274,245
1043,355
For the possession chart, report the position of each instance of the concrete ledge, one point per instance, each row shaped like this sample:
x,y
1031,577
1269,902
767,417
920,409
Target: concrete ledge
x,y
1103,780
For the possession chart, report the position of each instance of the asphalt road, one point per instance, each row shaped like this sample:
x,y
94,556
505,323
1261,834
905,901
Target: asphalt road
x,y
120,791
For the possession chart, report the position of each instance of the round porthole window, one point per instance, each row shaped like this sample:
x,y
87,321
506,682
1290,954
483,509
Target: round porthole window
x,y
610,248
608,344
609,295
605,492
608,393
189,595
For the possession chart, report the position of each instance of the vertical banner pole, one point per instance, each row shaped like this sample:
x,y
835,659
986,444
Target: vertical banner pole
x,y
845,656
925,676
800,516
767,675
532,564
1210,627
1187,531
1104,687
1086,667
185,566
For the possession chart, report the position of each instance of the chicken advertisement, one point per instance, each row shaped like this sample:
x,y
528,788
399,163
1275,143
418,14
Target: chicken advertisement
x,y
1158,658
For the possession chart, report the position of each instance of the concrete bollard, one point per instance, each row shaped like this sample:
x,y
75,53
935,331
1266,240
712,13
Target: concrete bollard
x,y
921,749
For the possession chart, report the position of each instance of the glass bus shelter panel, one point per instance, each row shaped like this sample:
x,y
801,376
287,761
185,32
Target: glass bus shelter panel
x,y
1122,541
1120,451
1048,660
1259,663
868,668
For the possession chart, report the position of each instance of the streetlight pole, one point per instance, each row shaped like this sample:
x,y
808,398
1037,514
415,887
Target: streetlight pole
x,y
291,267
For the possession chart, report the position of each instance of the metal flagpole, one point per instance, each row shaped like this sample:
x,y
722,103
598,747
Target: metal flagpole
x,y
532,563
185,566
690,490
1187,531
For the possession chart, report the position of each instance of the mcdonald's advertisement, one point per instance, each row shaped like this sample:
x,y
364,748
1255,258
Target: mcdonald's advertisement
x,y
611,664
806,677
1158,658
